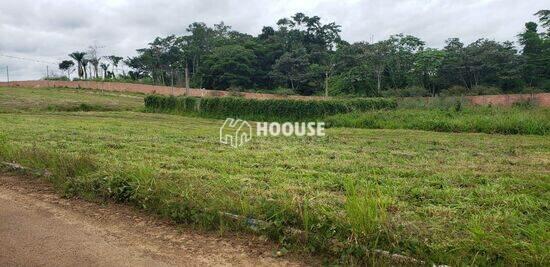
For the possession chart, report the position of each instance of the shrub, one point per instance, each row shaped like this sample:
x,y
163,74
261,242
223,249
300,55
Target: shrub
x,y
272,109
455,91
56,78
476,90
283,91
485,90
412,91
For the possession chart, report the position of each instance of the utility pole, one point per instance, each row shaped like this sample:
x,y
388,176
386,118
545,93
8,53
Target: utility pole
x,y
186,79
8,74
47,72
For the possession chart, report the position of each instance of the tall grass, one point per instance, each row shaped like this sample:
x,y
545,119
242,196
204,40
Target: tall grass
x,y
489,120
272,109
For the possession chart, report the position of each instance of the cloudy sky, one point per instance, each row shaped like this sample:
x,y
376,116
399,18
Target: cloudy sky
x,y
46,31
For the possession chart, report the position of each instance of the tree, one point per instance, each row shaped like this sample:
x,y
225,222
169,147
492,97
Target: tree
x,y
229,66
532,52
291,69
115,60
544,18
401,58
79,57
66,65
376,57
84,63
94,60
427,65
105,67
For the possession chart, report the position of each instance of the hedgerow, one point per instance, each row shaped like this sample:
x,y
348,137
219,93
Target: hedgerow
x,y
271,109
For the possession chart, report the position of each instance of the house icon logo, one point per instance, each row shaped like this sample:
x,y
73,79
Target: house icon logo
x,y
235,132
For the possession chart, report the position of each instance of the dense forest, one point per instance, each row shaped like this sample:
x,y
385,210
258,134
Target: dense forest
x,y
301,55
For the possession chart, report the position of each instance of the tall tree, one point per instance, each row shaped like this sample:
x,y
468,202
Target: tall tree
x,y
427,65
532,52
291,69
79,57
93,59
229,66
84,63
376,57
105,67
115,60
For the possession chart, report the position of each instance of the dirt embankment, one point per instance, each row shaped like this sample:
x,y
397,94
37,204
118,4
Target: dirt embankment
x,y
38,228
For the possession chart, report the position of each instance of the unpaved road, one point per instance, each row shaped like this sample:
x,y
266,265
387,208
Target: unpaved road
x,y
38,228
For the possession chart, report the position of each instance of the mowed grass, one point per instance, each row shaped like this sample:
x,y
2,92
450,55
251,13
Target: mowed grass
x,y
515,120
62,99
447,198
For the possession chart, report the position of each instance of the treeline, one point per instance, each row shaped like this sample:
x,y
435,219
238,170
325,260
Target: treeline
x,y
303,56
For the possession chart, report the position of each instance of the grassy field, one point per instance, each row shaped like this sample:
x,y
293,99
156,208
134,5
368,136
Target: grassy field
x,y
515,120
447,198
62,99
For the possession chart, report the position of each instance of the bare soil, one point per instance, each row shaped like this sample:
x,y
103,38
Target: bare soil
x,y
39,228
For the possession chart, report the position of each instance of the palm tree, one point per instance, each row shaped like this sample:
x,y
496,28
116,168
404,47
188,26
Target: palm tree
x,y
84,64
95,64
79,57
105,67
115,60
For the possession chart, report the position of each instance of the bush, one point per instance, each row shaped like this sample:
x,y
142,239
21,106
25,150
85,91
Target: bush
x,y
412,91
441,103
56,78
485,90
476,90
283,91
531,90
455,90
272,109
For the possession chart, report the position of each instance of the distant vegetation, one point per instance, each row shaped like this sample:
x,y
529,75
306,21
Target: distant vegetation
x,y
302,55
272,109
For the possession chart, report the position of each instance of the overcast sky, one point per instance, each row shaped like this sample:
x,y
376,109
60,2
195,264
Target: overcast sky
x,y
48,30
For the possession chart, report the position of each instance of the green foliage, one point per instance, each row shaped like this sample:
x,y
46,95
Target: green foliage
x,y
229,66
273,109
414,91
476,90
491,120
310,58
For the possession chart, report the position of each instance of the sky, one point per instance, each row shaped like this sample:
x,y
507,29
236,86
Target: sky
x,y
38,34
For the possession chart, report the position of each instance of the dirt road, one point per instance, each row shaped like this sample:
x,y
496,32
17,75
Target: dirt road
x,y
38,228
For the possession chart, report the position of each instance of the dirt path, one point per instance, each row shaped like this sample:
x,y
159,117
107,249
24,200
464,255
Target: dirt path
x,y
38,228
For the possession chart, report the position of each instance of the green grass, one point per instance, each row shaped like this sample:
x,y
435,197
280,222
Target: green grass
x,y
471,119
447,198
62,99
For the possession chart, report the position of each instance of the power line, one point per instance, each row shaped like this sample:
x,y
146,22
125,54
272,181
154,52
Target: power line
x,y
28,59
